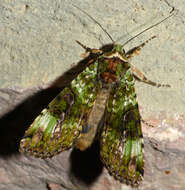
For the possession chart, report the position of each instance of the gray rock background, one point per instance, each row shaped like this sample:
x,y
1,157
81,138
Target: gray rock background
x,y
37,45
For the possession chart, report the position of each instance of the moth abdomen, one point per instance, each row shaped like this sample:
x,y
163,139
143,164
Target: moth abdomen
x,y
90,128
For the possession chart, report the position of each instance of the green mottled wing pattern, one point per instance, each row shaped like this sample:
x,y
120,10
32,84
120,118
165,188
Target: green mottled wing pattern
x,y
56,128
121,139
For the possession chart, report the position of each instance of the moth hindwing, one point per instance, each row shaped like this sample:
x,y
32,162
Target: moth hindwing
x,y
100,103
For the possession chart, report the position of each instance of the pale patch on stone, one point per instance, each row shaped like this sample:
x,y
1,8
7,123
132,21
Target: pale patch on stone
x,y
171,134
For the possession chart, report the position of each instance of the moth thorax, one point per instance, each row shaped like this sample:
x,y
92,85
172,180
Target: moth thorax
x,y
112,69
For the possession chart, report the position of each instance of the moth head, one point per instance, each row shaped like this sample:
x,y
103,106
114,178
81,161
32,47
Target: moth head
x,y
118,48
113,48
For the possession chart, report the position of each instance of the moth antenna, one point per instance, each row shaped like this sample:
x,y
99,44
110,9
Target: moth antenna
x,y
149,28
96,23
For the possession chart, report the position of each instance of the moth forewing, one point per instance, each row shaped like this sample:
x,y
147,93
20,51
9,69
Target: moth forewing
x,y
56,128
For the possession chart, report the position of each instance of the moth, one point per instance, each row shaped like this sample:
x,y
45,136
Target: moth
x,y
99,104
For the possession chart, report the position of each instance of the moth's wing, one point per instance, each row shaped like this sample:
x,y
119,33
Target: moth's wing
x,y
121,138
56,128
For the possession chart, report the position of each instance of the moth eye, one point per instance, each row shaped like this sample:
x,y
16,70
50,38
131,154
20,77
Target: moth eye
x,y
107,48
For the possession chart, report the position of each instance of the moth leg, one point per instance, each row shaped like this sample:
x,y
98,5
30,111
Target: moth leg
x,y
144,79
87,49
146,123
136,50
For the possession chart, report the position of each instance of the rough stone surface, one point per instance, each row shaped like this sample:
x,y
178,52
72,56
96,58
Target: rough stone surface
x,y
37,45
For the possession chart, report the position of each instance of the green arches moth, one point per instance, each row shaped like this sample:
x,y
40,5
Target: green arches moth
x,y
99,104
